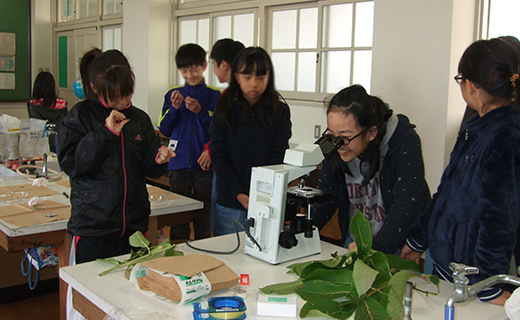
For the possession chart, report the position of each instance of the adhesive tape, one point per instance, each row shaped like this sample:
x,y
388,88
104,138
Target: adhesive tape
x,y
227,315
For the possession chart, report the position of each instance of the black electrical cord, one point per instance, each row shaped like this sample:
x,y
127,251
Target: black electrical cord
x,y
235,222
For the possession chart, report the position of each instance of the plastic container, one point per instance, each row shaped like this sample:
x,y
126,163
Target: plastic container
x,y
30,124
10,128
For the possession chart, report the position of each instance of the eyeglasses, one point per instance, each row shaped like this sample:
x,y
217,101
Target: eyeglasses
x,y
459,78
346,141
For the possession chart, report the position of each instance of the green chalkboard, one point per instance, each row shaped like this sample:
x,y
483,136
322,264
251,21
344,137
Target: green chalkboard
x,y
15,18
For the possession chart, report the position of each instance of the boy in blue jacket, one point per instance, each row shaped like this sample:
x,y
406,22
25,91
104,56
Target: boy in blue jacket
x,y
185,119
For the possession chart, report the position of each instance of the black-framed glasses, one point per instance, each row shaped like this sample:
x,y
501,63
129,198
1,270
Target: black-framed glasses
x,y
459,78
346,141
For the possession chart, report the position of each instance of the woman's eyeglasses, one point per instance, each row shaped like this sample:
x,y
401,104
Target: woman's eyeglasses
x,y
459,78
346,141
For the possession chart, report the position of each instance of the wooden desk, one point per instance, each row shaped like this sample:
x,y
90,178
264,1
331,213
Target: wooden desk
x,y
13,238
96,296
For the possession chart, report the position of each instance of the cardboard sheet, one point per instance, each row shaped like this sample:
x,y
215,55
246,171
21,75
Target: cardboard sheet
x,y
64,183
36,217
161,281
188,265
12,209
23,215
31,190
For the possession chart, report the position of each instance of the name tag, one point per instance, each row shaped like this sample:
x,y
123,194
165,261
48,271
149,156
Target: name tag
x,y
173,144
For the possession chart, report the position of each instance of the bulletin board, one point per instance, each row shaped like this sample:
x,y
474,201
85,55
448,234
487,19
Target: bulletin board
x,y
15,50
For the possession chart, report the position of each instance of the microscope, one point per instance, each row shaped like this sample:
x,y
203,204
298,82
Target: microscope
x,y
274,240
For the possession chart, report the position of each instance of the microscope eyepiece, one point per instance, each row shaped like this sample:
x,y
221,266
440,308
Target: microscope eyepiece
x,y
329,144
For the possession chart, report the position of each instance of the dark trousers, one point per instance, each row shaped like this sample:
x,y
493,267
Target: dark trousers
x,y
92,248
193,184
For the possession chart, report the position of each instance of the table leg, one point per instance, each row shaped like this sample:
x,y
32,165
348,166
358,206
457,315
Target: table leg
x,y
152,231
63,258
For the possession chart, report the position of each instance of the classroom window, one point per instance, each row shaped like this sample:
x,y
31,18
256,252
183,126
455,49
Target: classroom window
x,y
498,18
86,9
318,49
112,38
65,10
194,30
207,29
112,7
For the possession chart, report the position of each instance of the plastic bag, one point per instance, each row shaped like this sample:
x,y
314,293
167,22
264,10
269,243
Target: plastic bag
x,y
133,311
38,257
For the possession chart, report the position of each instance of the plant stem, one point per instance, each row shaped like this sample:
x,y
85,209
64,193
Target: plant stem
x,y
135,260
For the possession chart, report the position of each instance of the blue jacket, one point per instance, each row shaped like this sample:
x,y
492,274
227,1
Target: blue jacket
x,y
474,214
404,190
189,129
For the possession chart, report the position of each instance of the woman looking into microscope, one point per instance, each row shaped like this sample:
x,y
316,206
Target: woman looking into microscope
x,y
379,170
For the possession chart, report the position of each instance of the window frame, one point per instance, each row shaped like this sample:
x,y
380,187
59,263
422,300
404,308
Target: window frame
x,y
317,95
263,29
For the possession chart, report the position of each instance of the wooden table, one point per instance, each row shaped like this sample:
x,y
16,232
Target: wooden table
x,y
14,239
95,296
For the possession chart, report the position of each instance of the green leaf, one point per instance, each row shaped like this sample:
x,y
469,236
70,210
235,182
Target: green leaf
x,y
399,263
328,309
138,240
306,268
396,295
360,229
370,309
321,289
431,278
379,261
172,252
110,261
364,277
283,288
380,294
337,275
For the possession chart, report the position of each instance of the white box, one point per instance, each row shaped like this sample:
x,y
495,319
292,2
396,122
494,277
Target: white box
x,y
277,306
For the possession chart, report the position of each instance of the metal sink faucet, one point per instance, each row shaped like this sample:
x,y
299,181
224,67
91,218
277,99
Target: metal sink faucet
x,y
461,290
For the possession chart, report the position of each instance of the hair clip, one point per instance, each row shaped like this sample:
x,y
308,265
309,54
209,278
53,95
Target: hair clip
x,y
513,79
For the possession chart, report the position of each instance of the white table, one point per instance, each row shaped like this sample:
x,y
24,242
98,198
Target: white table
x,y
96,296
14,238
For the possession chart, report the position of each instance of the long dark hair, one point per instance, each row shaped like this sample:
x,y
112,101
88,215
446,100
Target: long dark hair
x,y
84,65
494,66
249,60
368,111
109,72
45,88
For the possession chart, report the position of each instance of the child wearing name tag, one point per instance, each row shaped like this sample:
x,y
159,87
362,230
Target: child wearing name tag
x,y
251,128
185,118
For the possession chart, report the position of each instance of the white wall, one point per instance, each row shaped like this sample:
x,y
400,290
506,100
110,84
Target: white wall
x,y
417,45
147,35
41,38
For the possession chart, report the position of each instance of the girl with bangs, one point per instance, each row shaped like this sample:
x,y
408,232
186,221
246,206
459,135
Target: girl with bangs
x,y
107,148
251,128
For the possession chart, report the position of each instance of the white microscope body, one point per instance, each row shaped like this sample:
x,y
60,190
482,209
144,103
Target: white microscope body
x,y
267,203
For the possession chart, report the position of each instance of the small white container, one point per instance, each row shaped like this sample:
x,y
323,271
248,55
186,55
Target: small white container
x,y
31,124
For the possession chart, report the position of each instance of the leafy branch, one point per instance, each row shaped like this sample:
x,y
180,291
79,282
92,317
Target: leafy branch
x,y
138,240
365,282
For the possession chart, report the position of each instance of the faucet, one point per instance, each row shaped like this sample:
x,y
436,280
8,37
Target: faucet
x,y
462,291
